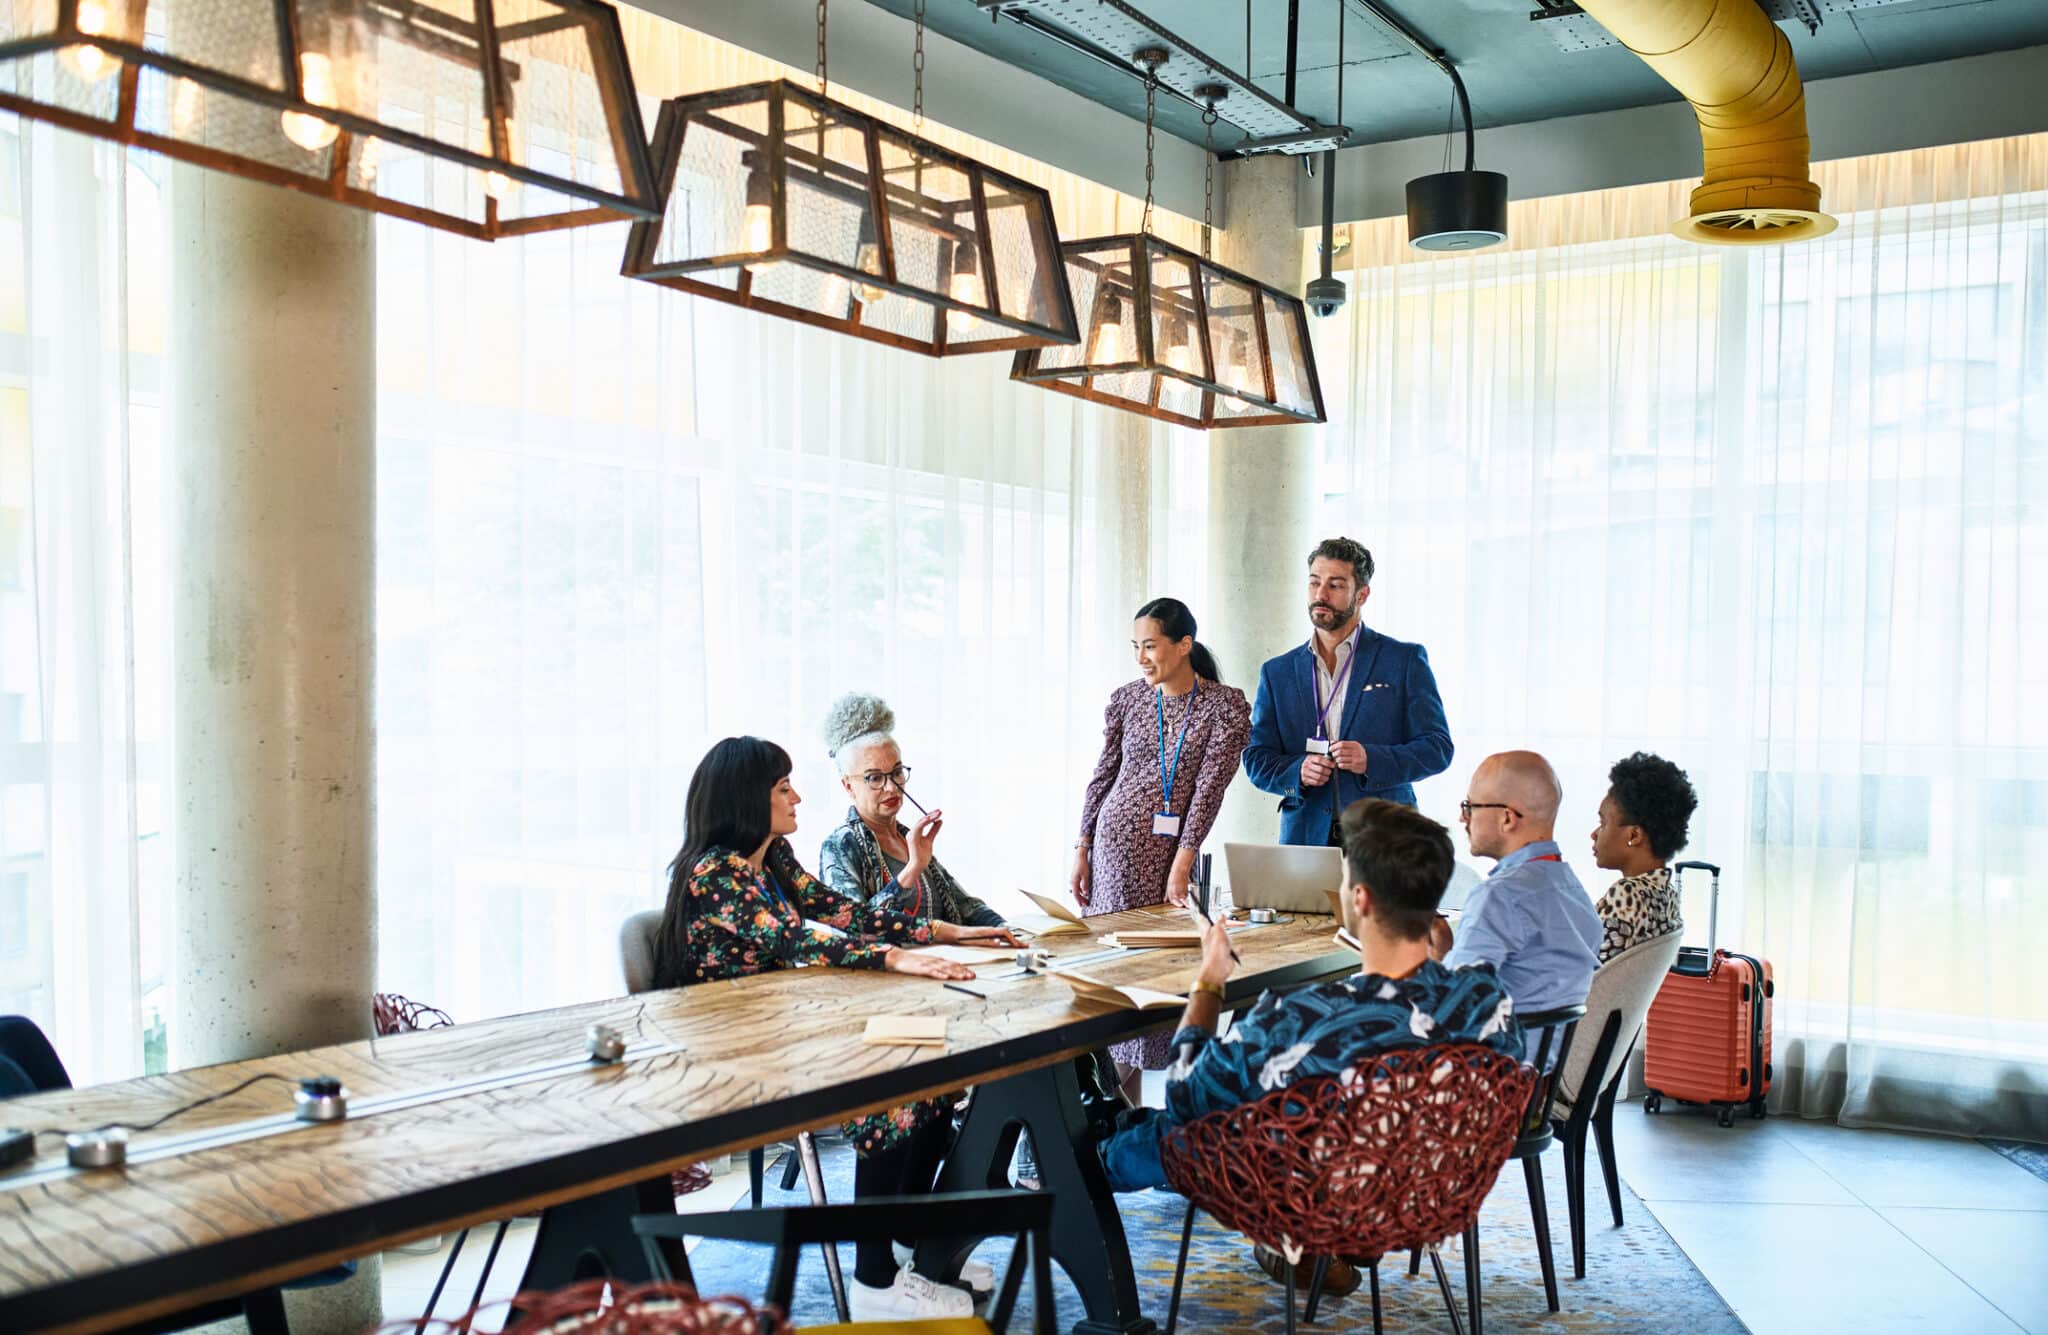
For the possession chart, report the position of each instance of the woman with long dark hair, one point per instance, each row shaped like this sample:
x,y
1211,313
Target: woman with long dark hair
x,y
1170,746
739,903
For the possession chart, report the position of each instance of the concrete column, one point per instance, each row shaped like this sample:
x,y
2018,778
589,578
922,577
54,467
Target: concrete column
x,y
273,381
1262,490
1122,529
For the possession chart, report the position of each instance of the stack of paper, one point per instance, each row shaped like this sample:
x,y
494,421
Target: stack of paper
x,y
1053,918
1092,994
1154,938
906,1030
967,954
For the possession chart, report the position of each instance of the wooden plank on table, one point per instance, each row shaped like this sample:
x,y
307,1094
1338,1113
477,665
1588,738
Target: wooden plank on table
x,y
762,1057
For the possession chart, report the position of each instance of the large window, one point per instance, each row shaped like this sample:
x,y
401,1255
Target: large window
x,y
1779,514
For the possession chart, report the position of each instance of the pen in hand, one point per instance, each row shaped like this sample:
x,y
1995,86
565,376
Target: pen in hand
x,y
1203,919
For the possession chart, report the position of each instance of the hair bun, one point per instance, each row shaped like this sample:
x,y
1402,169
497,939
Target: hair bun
x,y
856,715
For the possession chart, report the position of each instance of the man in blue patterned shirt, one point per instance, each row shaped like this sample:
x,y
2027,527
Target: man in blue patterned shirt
x,y
1397,862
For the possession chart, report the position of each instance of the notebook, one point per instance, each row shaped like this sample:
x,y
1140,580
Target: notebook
x,y
1153,938
906,1031
1092,994
1053,918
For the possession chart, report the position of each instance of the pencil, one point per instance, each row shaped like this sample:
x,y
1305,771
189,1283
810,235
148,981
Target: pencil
x,y
1235,958
981,996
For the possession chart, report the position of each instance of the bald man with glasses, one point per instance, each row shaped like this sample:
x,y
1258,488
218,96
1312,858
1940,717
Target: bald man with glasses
x,y
1530,918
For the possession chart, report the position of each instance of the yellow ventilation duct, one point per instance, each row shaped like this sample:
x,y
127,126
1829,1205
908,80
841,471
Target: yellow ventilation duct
x,y
1734,65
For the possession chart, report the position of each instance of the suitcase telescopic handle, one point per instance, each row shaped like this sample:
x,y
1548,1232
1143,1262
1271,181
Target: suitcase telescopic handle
x,y
1678,871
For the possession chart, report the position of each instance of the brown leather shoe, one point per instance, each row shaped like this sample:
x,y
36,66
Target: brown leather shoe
x,y
1343,1277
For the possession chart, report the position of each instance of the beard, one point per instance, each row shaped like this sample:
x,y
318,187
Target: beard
x,y
1327,616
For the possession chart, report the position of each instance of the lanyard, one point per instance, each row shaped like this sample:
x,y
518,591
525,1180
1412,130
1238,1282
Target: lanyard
x,y
1336,683
1166,775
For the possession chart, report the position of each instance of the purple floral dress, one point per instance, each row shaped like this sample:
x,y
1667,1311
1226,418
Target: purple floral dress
x,y
1128,864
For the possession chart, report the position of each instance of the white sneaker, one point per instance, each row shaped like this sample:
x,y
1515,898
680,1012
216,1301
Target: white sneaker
x,y
973,1274
911,1298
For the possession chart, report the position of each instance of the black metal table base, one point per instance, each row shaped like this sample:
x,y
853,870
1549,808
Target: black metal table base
x,y
593,1238
1087,1229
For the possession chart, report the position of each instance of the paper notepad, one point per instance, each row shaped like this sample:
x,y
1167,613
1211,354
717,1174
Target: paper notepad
x,y
1052,918
1092,994
1153,938
906,1030
967,954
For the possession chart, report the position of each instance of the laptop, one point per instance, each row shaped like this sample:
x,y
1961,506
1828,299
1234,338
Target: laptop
x,y
1287,878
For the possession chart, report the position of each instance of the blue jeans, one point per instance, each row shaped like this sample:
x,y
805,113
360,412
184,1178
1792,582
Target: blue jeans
x,y
1131,1156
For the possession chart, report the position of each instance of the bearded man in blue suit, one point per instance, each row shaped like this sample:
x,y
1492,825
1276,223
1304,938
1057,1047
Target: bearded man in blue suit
x,y
1350,714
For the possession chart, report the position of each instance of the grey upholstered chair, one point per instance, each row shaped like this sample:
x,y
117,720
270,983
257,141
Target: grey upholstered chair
x,y
1616,1005
636,962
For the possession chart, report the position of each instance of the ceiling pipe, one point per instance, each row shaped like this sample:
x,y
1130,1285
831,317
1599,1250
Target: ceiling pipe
x,y
1735,66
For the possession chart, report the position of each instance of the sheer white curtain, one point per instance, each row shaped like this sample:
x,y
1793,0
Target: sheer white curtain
x,y
78,768
617,523
1780,515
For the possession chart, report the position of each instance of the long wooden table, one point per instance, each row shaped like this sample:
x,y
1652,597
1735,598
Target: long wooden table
x,y
457,1126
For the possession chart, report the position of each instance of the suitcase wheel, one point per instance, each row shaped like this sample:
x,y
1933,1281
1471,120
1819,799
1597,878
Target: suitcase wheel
x,y
1653,1102
1756,1108
1727,1117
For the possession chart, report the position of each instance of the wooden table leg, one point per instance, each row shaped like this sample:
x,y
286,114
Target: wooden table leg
x,y
1087,1230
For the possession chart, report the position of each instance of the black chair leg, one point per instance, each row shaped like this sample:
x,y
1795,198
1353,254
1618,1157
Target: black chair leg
x,y
790,1166
757,1165
447,1269
1603,1140
1474,1306
1575,1196
1415,1263
490,1259
1539,1215
1290,1297
1180,1269
1373,1274
1443,1282
1315,1289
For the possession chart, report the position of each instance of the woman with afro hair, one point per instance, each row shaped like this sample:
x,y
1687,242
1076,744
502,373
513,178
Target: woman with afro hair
x,y
1642,827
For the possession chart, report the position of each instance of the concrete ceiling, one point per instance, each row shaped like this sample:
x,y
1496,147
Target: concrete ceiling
x,y
1514,68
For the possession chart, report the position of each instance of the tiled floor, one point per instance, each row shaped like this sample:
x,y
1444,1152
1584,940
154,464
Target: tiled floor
x,y
1810,1227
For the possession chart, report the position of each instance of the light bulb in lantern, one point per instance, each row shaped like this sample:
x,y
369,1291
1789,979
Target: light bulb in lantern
x,y
498,185
89,62
757,225
316,82
1106,343
1238,371
1180,350
966,286
868,259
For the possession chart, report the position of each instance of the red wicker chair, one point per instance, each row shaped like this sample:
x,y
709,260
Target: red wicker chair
x,y
1399,1153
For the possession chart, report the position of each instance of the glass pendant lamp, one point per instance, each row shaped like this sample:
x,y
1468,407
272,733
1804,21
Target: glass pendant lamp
x,y
1174,335
485,117
782,200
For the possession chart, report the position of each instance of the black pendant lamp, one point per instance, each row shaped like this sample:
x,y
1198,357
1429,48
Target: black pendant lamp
x,y
1465,210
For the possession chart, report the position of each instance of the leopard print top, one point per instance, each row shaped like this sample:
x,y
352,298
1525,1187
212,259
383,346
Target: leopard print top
x,y
1636,909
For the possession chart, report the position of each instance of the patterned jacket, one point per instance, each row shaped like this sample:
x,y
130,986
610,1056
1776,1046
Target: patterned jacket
x,y
1331,1027
851,863
732,921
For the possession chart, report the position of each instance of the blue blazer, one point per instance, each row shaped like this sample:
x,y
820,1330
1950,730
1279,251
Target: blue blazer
x,y
1391,707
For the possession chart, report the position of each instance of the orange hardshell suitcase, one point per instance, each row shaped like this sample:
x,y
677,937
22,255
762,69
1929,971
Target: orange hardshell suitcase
x,y
1708,1038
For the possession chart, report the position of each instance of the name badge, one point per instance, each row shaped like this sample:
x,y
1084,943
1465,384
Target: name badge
x,y
1166,823
1319,746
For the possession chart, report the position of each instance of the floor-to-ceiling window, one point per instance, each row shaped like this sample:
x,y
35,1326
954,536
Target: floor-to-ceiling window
x,y
1780,514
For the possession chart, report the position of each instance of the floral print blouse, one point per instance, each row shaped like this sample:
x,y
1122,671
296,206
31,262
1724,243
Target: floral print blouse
x,y
737,921
1636,909
852,863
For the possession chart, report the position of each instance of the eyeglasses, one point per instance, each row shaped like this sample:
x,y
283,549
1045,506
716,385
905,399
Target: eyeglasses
x,y
877,780
1465,809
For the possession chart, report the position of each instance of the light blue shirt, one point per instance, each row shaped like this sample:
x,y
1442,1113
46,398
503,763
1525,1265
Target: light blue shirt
x,y
1534,923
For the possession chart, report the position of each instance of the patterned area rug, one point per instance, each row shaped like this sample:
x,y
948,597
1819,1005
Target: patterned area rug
x,y
2032,1157
1637,1279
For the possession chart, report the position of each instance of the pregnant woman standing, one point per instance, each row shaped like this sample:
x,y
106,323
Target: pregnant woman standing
x,y
1170,746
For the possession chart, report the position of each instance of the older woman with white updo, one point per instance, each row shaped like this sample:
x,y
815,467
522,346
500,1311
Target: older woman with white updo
x,y
874,857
